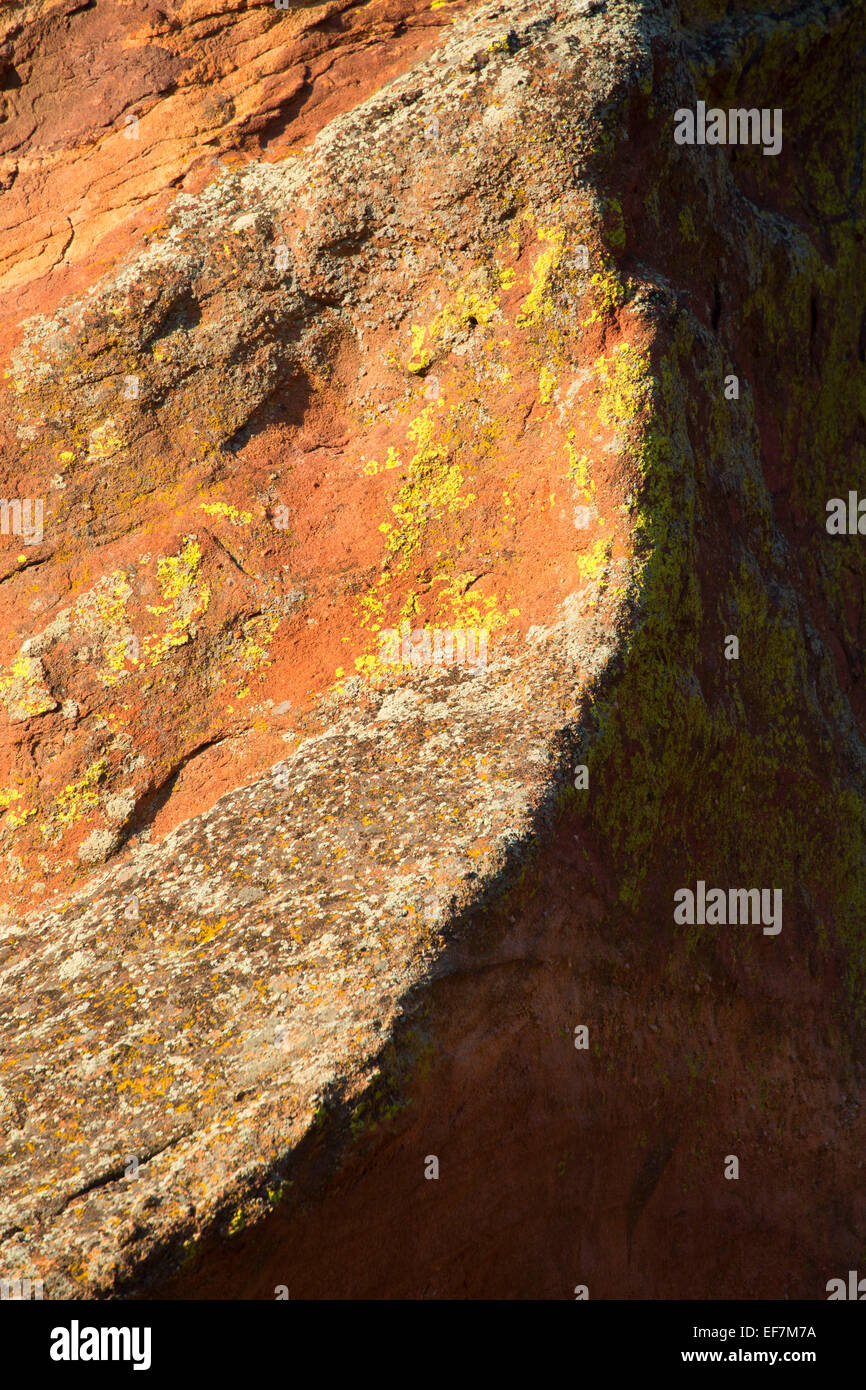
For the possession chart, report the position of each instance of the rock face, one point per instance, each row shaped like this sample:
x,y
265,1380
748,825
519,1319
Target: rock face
x,y
417,575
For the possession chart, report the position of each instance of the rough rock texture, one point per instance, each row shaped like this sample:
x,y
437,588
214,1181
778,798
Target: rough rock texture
x,y
443,342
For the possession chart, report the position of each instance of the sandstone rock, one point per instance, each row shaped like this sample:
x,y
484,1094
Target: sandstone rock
x,y
442,347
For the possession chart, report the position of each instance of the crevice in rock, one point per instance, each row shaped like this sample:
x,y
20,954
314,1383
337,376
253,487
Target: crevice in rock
x,y
115,1173
150,805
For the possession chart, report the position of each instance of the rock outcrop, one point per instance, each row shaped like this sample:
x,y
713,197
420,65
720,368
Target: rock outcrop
x,y
417,575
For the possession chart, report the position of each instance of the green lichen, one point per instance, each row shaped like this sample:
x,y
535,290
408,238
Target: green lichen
x,y
691,748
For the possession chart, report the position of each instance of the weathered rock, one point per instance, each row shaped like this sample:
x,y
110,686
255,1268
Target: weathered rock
x,y
458,363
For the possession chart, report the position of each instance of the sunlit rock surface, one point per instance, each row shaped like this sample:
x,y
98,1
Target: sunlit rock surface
x,y
336,341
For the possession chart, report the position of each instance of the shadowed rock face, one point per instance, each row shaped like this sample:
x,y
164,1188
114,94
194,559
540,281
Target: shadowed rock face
x,y
379,336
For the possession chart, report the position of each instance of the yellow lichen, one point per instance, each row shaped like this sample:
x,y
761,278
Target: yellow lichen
x,y
465,307
177,576
546,383
78,798
257,635
392,460
230,513
102,612
579,468
433,490
609,294
105,441
626,385
593,562
177,572
534,304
